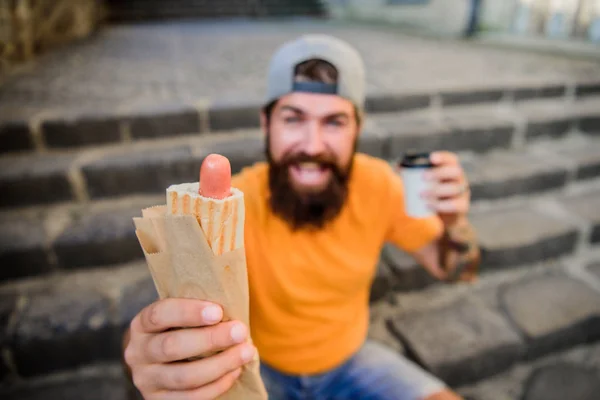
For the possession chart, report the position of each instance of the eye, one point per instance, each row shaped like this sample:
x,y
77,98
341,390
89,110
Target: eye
x,y
335,122
291,119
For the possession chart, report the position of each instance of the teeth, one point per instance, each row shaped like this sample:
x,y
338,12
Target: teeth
x,y
309,165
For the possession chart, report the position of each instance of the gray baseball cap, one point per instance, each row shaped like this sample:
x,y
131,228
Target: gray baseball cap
x,y
348,62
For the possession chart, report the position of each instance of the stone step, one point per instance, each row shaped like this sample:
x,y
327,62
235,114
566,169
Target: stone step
x,y
66,320
40,239
21,130
149,165
101,381
466,333
158,10
512,234
572,374
462,333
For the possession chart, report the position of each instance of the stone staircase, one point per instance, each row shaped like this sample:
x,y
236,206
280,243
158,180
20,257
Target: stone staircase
x,y
73,274
155,10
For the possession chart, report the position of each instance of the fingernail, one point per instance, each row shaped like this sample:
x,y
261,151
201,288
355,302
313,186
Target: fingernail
x,y
248,353
211,314
238,333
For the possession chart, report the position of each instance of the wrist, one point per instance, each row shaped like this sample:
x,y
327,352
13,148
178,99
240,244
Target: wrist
x,y
460,234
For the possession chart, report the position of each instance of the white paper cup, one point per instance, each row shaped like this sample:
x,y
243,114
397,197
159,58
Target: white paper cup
x,y
413,167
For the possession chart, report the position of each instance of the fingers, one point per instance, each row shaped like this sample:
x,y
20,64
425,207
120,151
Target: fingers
x,y
444,191
195,374
187,343
176,313
458,205
449,192
443,158
445,173
208,392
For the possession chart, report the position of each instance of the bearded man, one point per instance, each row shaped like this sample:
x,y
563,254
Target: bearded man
x,y
317,216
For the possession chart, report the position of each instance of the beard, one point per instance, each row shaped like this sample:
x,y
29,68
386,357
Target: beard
x,y
309,209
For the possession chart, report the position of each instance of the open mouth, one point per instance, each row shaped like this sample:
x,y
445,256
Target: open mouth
x,y
310,174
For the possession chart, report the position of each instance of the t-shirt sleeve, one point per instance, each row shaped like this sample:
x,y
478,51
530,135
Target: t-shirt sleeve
x,y
408,233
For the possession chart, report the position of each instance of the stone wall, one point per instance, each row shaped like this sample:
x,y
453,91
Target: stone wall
x,y
443,17
29,27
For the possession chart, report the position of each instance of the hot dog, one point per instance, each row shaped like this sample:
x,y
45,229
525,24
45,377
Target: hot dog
x,y
218,207
215,177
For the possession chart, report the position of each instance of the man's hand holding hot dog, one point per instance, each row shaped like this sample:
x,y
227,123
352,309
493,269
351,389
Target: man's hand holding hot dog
x,y
164,336
156,344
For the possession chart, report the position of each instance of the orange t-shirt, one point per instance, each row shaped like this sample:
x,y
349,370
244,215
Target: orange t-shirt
x,y
309,291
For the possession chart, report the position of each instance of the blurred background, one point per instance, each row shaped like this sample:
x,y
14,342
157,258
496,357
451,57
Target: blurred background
x,y
103,104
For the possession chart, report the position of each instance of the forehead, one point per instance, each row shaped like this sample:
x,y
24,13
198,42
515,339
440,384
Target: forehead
x,y
316,104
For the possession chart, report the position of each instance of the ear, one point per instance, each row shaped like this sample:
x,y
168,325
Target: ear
x,y
263,122
361,120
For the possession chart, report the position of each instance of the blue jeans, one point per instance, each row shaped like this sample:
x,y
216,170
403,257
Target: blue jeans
x,y
375,372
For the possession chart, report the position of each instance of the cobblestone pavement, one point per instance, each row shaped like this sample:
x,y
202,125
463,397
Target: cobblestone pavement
x,y
127,66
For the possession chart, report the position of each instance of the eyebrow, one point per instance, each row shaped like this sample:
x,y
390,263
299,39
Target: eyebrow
x,y
300,111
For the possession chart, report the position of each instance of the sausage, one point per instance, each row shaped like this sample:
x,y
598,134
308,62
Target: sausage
x,y
215,177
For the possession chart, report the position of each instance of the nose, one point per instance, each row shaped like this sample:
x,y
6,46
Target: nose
x,y
314,143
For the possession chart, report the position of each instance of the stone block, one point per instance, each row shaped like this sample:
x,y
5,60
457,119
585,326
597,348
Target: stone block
x,y
164,120
8,304
587,89
539,92
459,97
476,132
373,140
63,328
382,283
552,312
586,206
590,125
503,174
551,128
585,155
589,170
149,171
34,179
562,381
71,385
81,131
379,331
460,342
594,268
14,136
241,150
408,275
382,103
99,239
520,236
134,298
234,114
411,133
23,249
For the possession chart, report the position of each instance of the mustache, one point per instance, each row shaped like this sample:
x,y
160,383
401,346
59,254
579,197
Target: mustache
x,y
324,160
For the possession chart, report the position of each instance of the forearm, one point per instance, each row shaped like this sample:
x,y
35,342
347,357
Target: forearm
x,y
459,254
454,255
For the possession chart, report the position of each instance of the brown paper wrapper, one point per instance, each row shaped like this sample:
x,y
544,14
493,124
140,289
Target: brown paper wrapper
x,y
183,265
